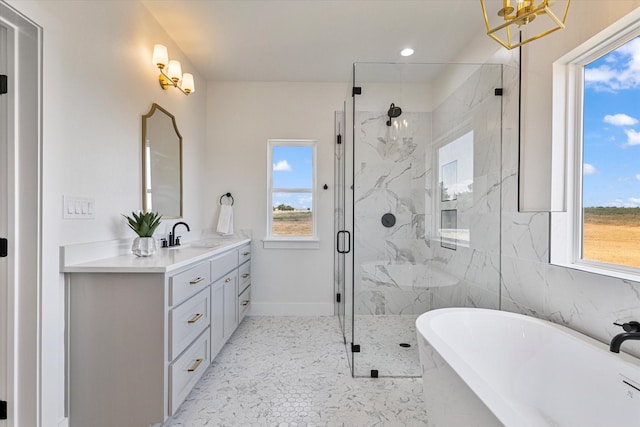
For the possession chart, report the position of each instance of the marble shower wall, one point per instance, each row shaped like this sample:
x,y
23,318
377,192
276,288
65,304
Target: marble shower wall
x,y
465,271
404,269
391,263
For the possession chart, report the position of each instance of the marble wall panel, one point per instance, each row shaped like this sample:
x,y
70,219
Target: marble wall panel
x,y
586,302
475,261
481,298
391,274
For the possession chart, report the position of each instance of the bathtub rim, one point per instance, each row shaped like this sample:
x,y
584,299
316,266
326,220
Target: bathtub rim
x,y
502,408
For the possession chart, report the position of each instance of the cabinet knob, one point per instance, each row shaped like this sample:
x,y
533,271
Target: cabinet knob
x,y
245,275
227,280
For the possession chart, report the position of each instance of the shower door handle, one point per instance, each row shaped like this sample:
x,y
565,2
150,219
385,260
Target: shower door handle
x,y
343,232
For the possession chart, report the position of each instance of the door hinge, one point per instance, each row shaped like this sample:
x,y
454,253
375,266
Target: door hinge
x,y
3,409
498,91
338,297
355,348
4,247
356,90
3,84
339,139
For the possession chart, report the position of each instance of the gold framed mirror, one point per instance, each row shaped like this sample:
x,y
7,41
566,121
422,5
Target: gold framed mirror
x,y
161,163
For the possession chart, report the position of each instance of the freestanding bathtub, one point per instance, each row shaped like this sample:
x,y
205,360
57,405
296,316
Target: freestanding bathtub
x,y
491,368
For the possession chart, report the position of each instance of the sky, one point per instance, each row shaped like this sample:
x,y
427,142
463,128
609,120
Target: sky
x,y
293,168
611,167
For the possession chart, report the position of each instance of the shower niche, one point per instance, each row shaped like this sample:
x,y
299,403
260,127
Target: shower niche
x,y
420,144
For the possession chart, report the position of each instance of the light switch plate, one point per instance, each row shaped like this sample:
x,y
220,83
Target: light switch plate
x,y
75,207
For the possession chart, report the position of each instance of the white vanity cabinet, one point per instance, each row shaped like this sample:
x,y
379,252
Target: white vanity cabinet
x,y
230,295
141,332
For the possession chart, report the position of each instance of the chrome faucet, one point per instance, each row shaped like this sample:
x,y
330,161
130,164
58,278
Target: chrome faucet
x,y
173,240
631,332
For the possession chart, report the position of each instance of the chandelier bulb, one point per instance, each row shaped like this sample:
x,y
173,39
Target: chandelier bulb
x,y
506,9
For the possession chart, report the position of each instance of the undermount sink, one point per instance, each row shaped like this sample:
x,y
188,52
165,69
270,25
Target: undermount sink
x,y
200,244
205,244
182,246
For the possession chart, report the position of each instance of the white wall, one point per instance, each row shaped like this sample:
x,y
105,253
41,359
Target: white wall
x,y
241,117
411,97
98,81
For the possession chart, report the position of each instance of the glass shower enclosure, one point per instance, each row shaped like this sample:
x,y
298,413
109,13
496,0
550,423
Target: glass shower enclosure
x,y
418,200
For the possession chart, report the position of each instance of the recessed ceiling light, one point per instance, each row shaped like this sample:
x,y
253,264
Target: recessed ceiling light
x,y
407,52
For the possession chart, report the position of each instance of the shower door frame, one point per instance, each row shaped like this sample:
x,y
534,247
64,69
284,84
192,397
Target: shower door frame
x,y
342,241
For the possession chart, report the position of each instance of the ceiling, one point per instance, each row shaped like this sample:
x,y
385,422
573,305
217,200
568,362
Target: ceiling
x,y
316,40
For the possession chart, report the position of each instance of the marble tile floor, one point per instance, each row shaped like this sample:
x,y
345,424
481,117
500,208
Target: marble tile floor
x,y
379,337
293,371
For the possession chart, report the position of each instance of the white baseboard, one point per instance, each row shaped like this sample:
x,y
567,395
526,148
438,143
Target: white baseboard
x,y
290,309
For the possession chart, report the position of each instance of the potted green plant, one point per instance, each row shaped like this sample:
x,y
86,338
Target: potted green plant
x,y
144,224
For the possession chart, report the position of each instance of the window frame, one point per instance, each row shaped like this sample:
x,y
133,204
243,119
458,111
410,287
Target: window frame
x,y
291,242
566,227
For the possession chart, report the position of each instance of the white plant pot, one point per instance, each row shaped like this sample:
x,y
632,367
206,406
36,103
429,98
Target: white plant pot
x,y
144,246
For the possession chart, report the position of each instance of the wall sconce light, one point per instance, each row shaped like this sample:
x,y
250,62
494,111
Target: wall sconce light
x,y
524,12
173,75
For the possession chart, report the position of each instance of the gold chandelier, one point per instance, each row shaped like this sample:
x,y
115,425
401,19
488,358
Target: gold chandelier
x,y
539,19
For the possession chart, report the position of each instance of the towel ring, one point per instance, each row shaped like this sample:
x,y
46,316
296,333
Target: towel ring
x,y
227,195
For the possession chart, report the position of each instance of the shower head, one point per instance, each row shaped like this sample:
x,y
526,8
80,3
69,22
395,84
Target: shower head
x,y
393,113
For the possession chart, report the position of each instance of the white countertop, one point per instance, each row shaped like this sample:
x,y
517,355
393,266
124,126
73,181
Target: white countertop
x,y
163,261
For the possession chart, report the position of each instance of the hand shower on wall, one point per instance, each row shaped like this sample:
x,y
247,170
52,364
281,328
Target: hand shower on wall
x,y
393,113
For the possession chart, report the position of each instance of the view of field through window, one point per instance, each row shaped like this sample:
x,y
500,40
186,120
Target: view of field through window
x,y
611,235
292,223
611,157
292,192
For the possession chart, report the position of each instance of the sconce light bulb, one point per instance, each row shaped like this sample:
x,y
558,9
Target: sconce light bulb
x,y
160,56
175,71
187,83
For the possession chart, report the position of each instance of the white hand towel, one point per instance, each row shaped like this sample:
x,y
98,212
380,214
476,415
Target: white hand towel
x,y
225,220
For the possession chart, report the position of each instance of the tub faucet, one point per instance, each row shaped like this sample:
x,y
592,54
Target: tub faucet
x,y
173,240
631,332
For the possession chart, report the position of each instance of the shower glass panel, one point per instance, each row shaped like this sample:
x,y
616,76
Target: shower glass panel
x,y
425,164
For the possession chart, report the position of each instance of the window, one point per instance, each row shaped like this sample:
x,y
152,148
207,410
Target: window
x,y
291,190
456,200
600,232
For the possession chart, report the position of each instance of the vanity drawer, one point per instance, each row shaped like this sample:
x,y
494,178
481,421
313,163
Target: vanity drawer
x,y
244,271
244,300
186,370
244,253
224,263
187,321
189,282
